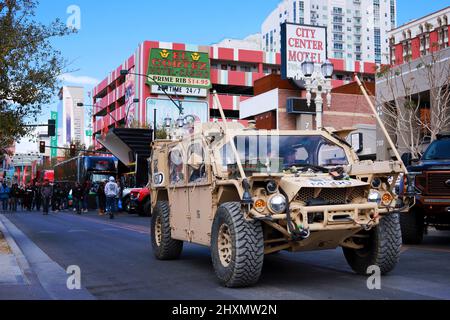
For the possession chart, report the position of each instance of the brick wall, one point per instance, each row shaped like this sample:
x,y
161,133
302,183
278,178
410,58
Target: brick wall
x,y
347,110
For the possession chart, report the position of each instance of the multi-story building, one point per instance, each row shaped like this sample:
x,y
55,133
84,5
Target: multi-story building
x,y
418,79
119,99
419,37
70,124
356,28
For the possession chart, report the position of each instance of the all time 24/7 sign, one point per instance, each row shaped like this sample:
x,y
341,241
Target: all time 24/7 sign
x,y
299,42
179,68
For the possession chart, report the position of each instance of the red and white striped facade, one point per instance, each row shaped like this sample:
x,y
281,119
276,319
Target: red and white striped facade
x,y
420,37
110,93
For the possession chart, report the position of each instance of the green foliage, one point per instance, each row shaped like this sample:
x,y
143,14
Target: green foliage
x,y
29,66
78,145
161,134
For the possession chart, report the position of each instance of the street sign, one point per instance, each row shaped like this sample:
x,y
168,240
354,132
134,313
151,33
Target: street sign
x,y
299,42
54,139
181,91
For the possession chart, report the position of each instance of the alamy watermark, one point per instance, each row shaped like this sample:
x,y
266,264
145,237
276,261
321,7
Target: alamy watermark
x,y
74,19
74,279
374,280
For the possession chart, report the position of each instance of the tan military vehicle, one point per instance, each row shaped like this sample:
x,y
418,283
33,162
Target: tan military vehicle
x,y
247,193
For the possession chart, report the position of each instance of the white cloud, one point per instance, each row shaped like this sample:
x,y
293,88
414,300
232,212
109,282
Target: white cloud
x,y
83,80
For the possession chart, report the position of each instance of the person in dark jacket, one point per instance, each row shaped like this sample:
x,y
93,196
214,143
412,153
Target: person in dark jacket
x,y
86,190
14,197
28,197
37,196
78,195
46,193
101,198
56,198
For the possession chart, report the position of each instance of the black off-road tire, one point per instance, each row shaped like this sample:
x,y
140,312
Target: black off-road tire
x,y
168,248
413,226
382,247
146,209
247,243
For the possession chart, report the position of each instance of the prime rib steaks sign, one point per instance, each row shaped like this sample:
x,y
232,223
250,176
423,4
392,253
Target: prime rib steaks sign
x,y
179,72
299,42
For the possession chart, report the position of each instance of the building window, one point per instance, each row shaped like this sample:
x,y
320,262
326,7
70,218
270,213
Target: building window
x,y
337,46
407,50
337,11
224,67
443,37
377,45
393,15
295,11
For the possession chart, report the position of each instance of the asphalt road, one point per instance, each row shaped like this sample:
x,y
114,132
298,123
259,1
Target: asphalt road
x,y
117,262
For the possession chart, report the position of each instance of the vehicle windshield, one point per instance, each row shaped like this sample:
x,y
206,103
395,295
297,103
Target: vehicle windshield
x,y
99,177
438,150
279,153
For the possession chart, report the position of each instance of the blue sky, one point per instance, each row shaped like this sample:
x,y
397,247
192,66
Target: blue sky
x,y
112,29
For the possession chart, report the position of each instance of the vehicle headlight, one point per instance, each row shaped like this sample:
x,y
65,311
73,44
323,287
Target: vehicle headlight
x,y
277,204
375,196
387,199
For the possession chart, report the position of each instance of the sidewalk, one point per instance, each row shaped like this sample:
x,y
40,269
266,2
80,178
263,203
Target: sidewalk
x,y
27,273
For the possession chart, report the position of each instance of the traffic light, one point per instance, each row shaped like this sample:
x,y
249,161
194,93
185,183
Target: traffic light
x,y
42,146
73,150
51,128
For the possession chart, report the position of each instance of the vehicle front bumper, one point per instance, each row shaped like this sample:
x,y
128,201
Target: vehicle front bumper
x,y
434,204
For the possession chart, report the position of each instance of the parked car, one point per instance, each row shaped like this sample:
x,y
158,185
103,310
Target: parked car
x,y
140,202
433,191
126,193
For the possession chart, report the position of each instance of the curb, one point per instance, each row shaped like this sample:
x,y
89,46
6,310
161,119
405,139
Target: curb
x,y
38,268
20,257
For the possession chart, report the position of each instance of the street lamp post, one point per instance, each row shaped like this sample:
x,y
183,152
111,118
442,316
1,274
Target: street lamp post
x,y
317,83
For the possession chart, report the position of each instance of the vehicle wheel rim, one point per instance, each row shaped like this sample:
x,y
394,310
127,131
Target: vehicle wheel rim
x,y
225,245
158,231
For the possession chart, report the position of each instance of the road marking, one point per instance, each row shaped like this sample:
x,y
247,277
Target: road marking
x,y
119,225
46,232
77,231
424,248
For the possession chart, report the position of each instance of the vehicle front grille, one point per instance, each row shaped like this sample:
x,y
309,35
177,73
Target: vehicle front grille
x,y
332,196
437,183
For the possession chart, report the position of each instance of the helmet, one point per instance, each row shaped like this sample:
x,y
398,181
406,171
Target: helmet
x,y
111,179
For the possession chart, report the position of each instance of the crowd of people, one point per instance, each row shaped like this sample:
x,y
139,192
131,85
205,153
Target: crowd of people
x,y
44,196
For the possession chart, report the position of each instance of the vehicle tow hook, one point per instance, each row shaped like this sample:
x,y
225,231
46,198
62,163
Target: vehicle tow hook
x,y
301,234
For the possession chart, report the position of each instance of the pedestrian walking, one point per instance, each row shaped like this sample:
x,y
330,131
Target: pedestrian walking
x,y
37,196
86,190
65,198
111,192
14,197
101,196
46,193
4,196
56,198
28,197
77,194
